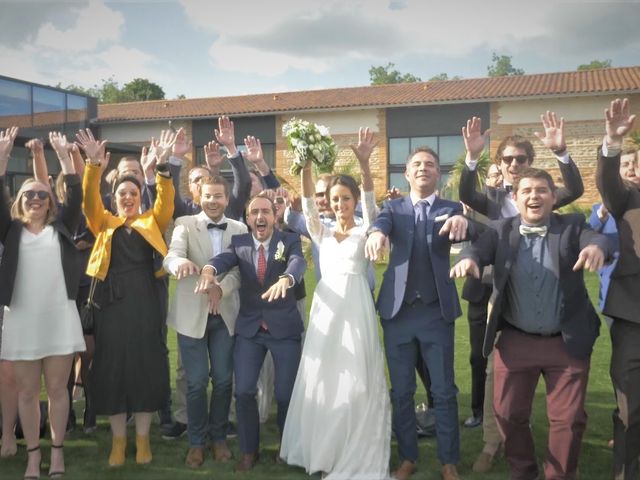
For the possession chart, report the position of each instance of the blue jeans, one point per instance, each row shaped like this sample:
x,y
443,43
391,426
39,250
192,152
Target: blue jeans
x,y
209,356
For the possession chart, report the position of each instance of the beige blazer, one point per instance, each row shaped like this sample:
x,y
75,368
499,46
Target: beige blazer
x,y
191,241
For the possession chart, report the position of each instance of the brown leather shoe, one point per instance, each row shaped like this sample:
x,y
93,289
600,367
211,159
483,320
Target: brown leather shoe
x,y
449,472
484,463
247,462
405,470
195,457
221,452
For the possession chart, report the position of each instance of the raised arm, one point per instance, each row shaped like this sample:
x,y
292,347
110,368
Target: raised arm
x,y
163,205
474,142
553,138
614,192
92,206
7,137
180,148
40,170
311,215
255,155
363,150
73,192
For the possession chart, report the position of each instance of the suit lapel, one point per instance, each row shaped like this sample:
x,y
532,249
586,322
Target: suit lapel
x,y
555,230
406,216
275,238
431,216
514,242
202,236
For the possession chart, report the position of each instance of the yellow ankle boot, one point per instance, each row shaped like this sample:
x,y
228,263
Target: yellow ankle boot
x,y
143,449
118,447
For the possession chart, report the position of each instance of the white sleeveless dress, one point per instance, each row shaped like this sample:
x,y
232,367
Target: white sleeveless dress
x,y
41,320
339,419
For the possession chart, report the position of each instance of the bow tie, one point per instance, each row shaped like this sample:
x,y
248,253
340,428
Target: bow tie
x,y
221,226
508,188
526,230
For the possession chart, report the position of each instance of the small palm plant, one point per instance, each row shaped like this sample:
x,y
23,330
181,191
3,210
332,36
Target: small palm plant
x,y
453,183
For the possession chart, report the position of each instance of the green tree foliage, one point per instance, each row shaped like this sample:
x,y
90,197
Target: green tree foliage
x,y
141,89
453,182
594,64
109,91
443,76
382,75
502,66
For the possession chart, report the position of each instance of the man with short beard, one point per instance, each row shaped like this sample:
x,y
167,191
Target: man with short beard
x,y
205,326
270,263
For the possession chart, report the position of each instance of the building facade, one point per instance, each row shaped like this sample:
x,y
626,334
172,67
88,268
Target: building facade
x,y
37,110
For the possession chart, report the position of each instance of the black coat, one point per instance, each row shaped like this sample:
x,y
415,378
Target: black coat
x,y
11,231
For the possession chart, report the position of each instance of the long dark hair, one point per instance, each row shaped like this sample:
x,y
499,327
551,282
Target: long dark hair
x,y
346,181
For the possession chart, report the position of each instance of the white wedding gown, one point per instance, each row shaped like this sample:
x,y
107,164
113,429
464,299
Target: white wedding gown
x,y
339,419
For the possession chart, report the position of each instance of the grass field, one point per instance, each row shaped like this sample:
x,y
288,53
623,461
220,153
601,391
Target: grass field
x,y
86,455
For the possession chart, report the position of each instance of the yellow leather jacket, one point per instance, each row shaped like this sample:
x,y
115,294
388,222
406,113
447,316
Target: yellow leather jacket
x,y
102,223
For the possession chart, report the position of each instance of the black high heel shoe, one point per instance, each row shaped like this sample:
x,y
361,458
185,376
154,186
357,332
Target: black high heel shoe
x,y
58,473
29,451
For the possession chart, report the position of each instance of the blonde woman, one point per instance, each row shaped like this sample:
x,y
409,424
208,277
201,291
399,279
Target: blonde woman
x,y
130,369
40,262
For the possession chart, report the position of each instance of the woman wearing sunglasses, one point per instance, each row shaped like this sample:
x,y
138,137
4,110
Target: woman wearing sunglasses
x,y
40,262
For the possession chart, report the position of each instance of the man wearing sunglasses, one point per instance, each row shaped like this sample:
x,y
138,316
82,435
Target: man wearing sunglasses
x,y
514,155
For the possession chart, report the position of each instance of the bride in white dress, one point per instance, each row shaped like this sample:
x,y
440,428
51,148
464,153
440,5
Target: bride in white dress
x,y
339,420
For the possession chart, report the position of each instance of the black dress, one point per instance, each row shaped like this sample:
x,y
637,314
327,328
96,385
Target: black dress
x,y
130,370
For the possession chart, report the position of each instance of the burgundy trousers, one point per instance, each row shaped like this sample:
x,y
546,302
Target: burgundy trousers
x,y
520,359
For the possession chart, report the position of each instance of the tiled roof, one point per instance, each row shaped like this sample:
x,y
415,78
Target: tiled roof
x,y
589,82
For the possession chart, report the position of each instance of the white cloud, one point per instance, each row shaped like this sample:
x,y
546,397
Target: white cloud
x,y
96,24
269,38
319,37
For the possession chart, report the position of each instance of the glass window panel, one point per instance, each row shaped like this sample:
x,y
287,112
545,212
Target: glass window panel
x,y
399,181
15,104
431,142
443,187
451,148
76,109
48,107
398,151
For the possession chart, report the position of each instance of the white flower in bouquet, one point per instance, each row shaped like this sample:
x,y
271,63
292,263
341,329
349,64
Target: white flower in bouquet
x,y
309,142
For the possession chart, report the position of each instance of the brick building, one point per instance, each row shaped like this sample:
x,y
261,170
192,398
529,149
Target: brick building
x,y
403,116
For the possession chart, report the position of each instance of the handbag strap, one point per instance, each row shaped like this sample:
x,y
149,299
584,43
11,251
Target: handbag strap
x,y
92,289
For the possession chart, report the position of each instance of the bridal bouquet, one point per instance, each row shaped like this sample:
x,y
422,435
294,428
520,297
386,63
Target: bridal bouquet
x,y
309,142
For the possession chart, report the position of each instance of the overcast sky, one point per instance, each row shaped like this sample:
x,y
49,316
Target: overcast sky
x,y
215,48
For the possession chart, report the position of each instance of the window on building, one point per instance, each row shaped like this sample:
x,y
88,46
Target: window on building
x,y
448,147
15,104
48,107
76,111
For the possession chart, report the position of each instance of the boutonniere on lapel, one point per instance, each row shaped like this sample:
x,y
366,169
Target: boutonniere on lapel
x,y
279,255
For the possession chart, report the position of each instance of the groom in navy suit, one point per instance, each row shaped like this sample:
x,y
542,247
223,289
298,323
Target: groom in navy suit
x,y
270,263
418,304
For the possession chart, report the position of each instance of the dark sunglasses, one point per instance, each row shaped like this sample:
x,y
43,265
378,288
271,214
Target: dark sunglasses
x,y
518,158
31,194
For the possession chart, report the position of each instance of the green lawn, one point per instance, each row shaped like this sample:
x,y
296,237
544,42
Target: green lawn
x,y
86,456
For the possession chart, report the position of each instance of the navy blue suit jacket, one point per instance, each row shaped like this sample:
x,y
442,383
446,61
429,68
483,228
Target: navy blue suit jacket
x,y
397,222
281,316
